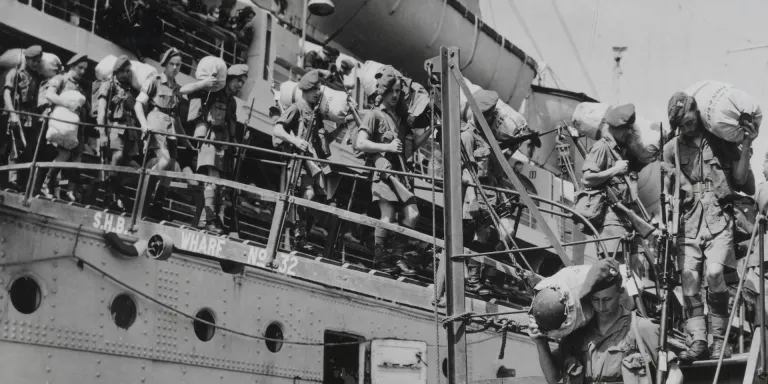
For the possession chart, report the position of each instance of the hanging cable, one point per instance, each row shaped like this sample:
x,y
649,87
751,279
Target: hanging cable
x,y
575,49
594,29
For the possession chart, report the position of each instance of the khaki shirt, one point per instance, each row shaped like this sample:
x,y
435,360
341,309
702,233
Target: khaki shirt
x,y
710,164
601,157
120,102
298,116
25,84
163,92
383,126
589,354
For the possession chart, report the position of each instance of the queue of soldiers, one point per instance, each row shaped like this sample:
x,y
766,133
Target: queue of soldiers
x,y
155,108
714,176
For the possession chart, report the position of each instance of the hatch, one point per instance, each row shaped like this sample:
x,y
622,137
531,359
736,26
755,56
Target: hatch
x,y
398,361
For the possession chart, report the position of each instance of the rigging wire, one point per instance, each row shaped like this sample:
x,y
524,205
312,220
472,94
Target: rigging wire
x,y
521,20
594,29
575,49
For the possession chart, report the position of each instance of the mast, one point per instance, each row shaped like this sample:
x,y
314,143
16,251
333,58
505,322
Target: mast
x,y
454,243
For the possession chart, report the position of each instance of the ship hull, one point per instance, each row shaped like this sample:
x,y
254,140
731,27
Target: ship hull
x,y
72,335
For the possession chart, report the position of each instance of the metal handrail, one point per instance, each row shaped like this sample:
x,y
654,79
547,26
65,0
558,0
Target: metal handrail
x,y
143,171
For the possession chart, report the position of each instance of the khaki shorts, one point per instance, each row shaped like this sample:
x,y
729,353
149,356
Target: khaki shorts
x,y
161,122
715,248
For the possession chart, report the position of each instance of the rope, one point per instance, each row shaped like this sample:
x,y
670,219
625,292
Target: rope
x,y
464,317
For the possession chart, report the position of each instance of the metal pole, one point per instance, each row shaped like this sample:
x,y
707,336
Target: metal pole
x,y
305,18
457,348
141,187
761,301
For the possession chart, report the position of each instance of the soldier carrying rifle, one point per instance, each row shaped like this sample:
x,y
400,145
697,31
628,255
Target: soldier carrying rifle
x,y
605,164
217,120
299,126
478,230
20,92
381,137
116,100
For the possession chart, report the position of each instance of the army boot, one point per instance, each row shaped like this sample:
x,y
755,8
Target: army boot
x,y
718,323
696,327
400,252
209,221
300,237
47,186
382,258
474,283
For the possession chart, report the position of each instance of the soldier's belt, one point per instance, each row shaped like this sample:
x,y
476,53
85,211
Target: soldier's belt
x,y
702,187
167,111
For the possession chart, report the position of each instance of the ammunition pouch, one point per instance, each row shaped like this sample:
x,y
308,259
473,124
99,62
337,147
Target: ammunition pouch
x,y
744,221
321,144
592,204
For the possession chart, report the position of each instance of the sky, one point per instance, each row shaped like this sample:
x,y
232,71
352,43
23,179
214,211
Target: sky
x,y
671,44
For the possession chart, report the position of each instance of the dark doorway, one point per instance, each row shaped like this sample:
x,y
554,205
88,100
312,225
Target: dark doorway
x,y
341,358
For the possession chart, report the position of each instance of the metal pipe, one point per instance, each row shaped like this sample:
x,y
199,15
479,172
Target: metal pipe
x,y
470,255
737,299
141,189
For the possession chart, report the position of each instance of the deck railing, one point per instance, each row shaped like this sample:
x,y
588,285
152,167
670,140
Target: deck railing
x,y
264,195
194,38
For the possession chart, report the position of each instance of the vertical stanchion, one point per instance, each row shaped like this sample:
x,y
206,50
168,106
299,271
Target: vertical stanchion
x,y
454,269
33,169
141,187
761,297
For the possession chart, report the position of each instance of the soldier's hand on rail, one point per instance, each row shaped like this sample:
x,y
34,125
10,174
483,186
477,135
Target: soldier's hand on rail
x,y
301,144
395,146
621,167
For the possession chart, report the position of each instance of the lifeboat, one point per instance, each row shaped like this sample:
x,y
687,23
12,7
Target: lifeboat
x,y
406,33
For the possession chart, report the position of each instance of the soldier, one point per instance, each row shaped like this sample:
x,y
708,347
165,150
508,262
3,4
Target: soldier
x,y
603,167
478,230
69,81
217,121
20,93
291,127
116,107
381,137
322,59
711,171
162,95
607,349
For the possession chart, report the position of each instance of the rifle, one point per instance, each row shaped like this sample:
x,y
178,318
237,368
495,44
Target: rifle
x,y
19,142
666,276
239,156
403,189
642,226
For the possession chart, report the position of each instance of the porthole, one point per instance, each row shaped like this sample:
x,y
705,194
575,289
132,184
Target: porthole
x,y
274,332
204,331
445,367
123,310
25,295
